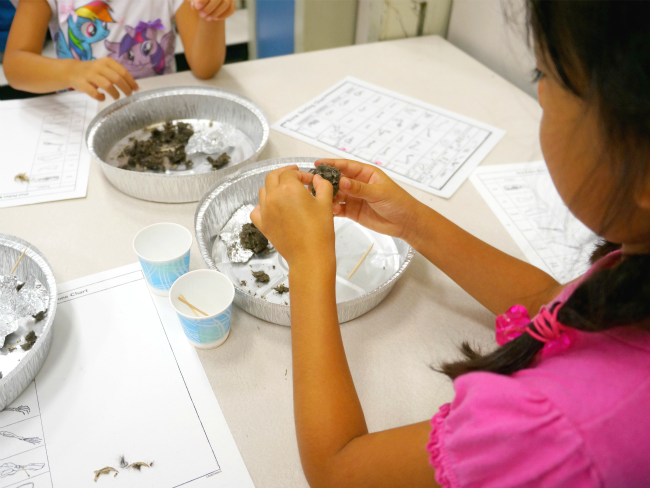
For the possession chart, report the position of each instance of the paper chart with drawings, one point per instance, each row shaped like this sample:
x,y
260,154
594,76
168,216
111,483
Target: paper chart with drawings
x,y
525,200
120,379
22,449
44,139
420,144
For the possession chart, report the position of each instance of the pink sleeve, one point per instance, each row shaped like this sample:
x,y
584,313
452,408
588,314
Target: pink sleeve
x,y
497,433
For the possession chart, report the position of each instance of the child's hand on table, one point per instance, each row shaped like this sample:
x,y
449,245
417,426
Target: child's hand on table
x,y
214,9
369,197
105,73
298,225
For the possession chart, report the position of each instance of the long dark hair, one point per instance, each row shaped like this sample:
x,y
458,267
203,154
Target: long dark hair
x,y
600,51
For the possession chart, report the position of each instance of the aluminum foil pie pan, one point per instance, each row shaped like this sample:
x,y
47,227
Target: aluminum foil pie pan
x,y
373,280
19,367
200,106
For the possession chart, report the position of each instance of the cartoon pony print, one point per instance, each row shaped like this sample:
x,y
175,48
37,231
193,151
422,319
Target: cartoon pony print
x,y
140,52
86,26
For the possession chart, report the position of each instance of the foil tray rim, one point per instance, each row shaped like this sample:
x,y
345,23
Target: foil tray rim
x,y
279,309
146,95
19,377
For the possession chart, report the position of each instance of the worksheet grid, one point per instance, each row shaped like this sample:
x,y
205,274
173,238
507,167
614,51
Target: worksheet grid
x,y
415,142
59,149
27,450
559,239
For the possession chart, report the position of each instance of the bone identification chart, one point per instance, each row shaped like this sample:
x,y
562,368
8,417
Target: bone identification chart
x,y
44,156
120,380
420,144
526,202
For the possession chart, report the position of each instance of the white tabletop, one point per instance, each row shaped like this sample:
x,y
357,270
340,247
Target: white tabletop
x,y
390,348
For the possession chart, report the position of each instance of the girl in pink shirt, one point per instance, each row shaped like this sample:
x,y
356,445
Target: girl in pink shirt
x,y
563,402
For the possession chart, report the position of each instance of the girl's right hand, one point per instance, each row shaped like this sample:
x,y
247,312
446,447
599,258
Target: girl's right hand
x,y
105,73
369,197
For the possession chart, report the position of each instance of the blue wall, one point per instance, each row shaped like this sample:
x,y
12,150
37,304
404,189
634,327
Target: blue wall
x,y
274,27
7,12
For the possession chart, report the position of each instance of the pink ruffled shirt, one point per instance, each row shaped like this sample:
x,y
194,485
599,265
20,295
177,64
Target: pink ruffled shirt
x,y
579,418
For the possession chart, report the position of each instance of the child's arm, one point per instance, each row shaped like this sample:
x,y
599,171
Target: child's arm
x,y
335,447
202,26
26,69
494,278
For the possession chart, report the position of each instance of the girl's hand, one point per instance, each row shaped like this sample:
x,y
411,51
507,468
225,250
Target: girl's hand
x,y
214,9
369,197
105,73
298,225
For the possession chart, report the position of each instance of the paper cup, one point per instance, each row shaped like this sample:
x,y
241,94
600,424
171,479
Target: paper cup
x,y
164,253
210,292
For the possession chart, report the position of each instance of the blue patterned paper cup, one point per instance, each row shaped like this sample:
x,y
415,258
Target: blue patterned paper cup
x,y
164,253
211,293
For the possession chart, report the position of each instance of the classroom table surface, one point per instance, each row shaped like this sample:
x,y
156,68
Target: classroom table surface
x,y
391,349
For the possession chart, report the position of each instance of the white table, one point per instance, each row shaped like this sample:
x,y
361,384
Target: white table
x,y
389,349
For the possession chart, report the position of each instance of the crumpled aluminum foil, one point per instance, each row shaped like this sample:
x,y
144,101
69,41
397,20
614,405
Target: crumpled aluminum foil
x,y
216,208
32,298
230,235
214,141
8,296
16,305
186,103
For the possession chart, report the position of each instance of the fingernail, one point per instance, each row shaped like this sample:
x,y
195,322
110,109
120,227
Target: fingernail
x,y
198,5
202,14
345,183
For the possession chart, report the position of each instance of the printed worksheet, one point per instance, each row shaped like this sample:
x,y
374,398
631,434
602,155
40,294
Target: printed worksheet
x,y
121,385
526,202
44,156
420,144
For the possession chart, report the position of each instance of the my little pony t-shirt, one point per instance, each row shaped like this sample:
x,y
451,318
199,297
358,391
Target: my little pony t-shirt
x,y
138,34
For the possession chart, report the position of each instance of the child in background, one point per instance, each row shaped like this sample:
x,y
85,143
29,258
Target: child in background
x,y
563,402
108,45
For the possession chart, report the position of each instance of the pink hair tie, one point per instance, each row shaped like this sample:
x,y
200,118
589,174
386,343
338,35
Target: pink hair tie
x,y
545,328
511,324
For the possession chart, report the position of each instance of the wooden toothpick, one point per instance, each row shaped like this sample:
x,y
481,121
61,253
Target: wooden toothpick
x,y
184,300
194,312
360,261
18,262
191,306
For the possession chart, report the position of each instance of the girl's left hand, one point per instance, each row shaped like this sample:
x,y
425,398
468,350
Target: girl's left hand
x,y
298,225
214,9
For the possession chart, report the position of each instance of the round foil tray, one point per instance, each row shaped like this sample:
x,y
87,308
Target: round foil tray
x,y
193,104
20,367
391,255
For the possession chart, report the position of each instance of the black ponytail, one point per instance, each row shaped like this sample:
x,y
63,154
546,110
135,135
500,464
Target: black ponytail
x,y
611,297
507,359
